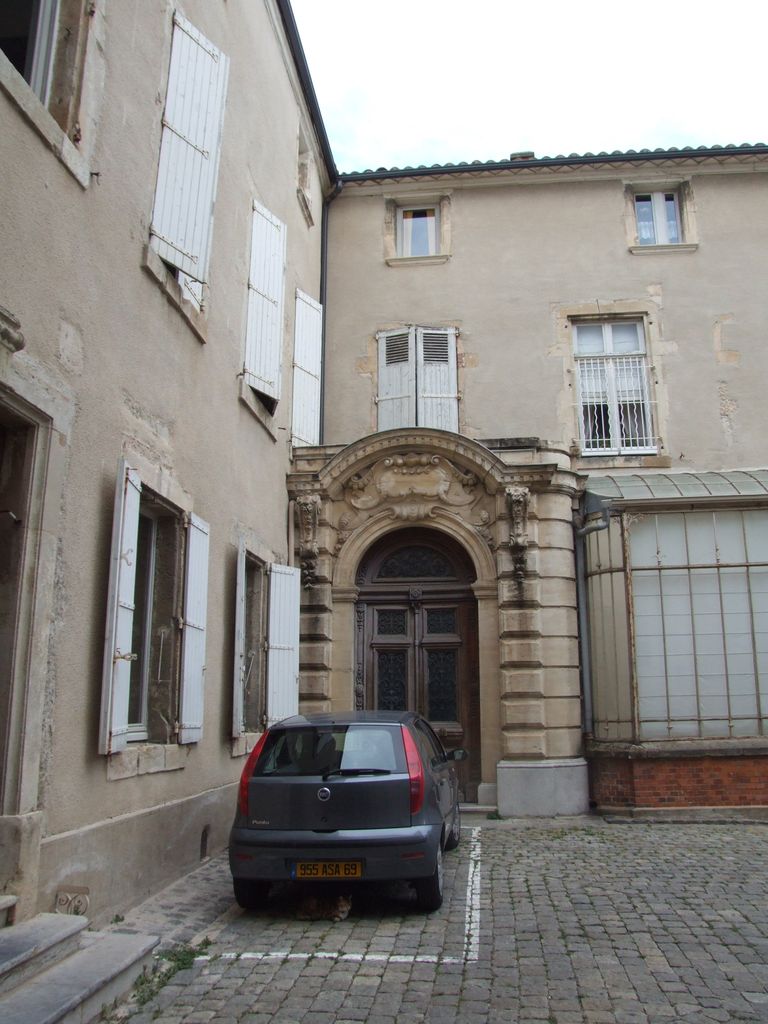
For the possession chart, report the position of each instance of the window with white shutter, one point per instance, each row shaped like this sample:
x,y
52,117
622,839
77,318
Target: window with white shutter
x,y
264,326
118,648
152,686
283,642
251,599
307,370
193,635
418,381
182,217
438,390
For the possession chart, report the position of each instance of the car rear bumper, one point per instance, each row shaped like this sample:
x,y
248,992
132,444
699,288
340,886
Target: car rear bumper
x,y
385,854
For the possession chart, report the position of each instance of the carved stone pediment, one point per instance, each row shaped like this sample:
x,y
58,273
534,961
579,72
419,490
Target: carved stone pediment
x,y
411,485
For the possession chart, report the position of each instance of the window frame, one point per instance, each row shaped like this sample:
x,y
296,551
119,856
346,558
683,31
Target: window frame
x,y
188,611
608,360
659,216
406,251
279,633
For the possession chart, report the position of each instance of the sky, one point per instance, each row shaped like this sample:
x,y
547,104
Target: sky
x,y
409,82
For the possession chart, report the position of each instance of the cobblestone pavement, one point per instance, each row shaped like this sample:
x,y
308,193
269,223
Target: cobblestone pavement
x,y
576,922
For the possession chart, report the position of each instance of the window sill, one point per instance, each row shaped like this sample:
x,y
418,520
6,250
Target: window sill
x,y
639,250
411,261
172,290
38,117
145,759
239,746
646,461
250,399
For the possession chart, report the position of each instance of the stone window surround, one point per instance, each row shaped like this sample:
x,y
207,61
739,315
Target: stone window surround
x,y
600,310
686,211
441,200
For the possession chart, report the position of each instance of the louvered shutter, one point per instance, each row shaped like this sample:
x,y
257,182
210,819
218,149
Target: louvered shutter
x,y
283,643
264,328
238,682
182,217
116,680
397,379
438,398
193,636
307,370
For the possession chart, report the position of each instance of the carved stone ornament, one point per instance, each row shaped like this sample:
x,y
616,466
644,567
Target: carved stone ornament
x,y
518,499
411,486
75,900
10,331
483,528
308,508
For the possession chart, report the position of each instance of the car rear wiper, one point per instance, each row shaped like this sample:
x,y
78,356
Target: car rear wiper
x,y
356,771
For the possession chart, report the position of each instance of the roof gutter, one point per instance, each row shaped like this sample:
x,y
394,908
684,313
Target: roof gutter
x,y
589,159
300,60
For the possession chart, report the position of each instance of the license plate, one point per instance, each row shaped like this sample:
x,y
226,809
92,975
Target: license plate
x,y
320,870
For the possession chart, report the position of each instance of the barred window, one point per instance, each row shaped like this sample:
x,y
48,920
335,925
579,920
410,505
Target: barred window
x,y
613,393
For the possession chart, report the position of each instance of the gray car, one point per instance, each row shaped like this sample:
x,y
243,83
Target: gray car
x,y
361,796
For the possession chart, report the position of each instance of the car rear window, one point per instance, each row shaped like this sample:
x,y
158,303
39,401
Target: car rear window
x,y
318,750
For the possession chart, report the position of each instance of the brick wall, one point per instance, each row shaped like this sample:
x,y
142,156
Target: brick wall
x,y
679,782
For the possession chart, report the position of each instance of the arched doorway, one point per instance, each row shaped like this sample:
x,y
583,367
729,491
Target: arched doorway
x,y
417,637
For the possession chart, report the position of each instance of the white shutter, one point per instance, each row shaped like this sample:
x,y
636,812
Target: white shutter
x,y
283,642
397,379
238,682
116,680
438,401
264,327
189,151
193,637
307,369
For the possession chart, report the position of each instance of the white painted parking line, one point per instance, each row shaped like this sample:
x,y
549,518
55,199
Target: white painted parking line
x,y
472,915
471,927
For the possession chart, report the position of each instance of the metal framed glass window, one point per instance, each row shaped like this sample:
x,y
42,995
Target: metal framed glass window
x,y
699,598
612,382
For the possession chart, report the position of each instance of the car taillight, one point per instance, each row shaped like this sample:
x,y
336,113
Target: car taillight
x,y
245,777
415,771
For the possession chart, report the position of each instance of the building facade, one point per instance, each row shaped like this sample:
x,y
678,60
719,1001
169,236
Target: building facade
x,y
164,174
555,364
484,440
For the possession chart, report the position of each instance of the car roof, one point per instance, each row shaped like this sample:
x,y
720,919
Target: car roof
x,y
349,718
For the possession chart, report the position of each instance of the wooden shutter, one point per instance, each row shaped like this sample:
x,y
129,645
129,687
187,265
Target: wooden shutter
x,y
397,379
193,636
116,680
182,217
438,397
307,369
283,642
264,328
238,681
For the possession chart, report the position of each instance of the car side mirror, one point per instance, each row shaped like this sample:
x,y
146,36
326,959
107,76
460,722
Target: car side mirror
x,y
459,754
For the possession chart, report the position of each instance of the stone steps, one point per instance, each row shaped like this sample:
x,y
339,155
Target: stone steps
x,y
52,969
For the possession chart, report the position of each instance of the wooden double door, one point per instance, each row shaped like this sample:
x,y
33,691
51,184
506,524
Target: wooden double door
x,y
417,639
